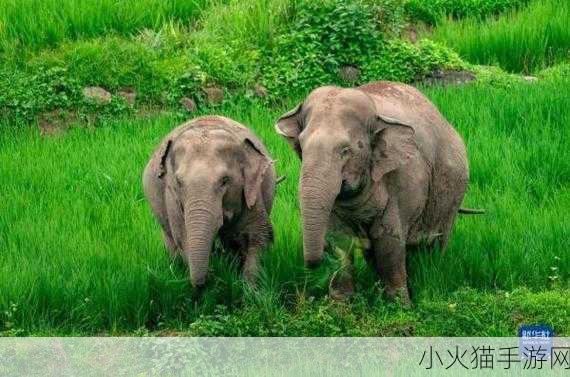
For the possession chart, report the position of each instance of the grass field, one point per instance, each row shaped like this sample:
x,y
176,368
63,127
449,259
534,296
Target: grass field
x,y
34,24
83,255
524,41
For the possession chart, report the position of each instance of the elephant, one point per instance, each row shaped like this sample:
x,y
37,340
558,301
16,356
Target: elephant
x,y
212,177
382,163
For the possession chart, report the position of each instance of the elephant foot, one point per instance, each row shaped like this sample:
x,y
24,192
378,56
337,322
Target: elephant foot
x,y
341,286
250,280
399,295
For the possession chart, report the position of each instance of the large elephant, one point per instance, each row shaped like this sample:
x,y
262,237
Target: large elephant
x,y
383,162
212,176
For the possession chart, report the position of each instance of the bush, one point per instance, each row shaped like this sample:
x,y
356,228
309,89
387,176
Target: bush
x,y
322,38
402,61
54,79
325,37
25,94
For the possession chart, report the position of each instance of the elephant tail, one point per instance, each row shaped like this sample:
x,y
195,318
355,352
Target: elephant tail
x,y
471,211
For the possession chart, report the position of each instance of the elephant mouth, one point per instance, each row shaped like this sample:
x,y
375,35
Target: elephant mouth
x,y
349,191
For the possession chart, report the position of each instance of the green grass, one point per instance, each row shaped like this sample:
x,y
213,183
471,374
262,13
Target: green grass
x,y
35,24
525,41
82,254
433,11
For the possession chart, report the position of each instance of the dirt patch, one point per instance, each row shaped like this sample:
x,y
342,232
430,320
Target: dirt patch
x,y
55,122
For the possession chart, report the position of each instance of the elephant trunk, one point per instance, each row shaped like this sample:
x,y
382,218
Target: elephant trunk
x,y
320,185
201,224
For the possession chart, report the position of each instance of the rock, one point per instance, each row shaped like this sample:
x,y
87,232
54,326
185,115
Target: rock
x,y
188,104
260,91
530,78
349,73
97,95
129,95
445,77
214,94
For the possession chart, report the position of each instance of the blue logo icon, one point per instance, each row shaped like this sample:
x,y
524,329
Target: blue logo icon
x,y
535,342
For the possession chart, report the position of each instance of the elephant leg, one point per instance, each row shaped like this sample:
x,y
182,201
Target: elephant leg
x,y
387,236
390,262
259,233
341,285
368,254
250,265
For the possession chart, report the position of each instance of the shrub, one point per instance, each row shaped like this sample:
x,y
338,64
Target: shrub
x,y
402,61
224,62
325,37
25,94
54,79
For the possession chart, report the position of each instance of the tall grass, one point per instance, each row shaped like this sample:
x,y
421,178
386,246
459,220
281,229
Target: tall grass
x,y
524,41
35,24
81,251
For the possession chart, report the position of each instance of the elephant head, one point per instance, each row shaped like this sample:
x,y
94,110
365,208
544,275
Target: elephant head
x,y
344,144
210,176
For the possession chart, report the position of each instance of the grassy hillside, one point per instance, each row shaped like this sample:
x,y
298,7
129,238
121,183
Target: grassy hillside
x,y
35,24
80,252
525,41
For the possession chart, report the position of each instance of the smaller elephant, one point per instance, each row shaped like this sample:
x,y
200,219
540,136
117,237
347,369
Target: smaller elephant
x,y
212,177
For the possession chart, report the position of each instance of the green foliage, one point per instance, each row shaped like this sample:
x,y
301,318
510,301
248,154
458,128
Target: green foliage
x,y
54,78
290,47
464,313
25,94
224,63
324,37
36,24
433,11
389,15
555,72
534,38
405,62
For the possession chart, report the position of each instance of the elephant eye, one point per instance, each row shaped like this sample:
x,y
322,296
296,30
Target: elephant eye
x,y
225,180
178,180
344,152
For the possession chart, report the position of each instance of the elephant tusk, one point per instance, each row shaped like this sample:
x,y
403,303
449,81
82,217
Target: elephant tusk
x,y
280,179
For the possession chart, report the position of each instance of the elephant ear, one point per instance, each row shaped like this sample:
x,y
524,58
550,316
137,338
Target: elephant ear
x,y
289,126
393,145
256,166
161,155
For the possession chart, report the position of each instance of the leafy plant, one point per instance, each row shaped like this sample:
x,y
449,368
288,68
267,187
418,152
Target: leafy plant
x,y
325,37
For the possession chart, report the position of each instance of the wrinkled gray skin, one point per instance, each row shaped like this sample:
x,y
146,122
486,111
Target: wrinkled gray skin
x,y
382,162
212,176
